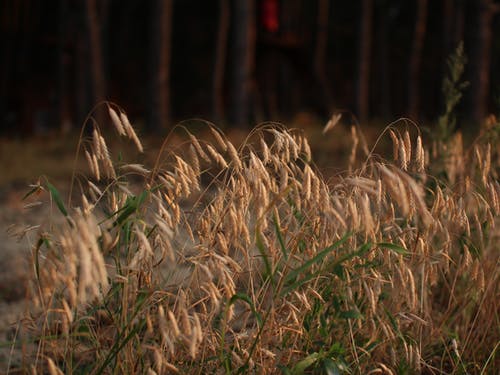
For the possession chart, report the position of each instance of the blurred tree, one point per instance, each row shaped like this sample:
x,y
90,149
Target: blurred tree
x,y
220,60
56,65
268,57
295,63
453,33
9,38
64,92
81,84
459,23
447,25
161,17
382,63
98,78
320,52
416,59
244,36
481,59
18,101
364,60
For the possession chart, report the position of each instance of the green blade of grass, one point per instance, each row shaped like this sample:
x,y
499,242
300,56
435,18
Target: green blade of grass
x,y
132,204
350,314
335,266
393,247
54,193
316,259
41,241
280,238
34,190
302,366
118,345
333,368
298,284
260,246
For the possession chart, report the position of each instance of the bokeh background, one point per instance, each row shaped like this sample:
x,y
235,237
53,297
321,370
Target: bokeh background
x,y
241,62
236,63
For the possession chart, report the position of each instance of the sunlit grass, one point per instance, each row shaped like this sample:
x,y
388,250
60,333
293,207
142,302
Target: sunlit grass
x,y
216,258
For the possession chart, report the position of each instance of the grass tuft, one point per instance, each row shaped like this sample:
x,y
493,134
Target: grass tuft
x,y
219,259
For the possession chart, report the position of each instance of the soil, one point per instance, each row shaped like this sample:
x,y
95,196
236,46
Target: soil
x,y
14,260
21,163
21,222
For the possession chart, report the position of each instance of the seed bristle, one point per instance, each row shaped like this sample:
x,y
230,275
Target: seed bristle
x,y
218,257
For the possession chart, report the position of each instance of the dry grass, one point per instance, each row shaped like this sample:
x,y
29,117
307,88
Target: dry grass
x,y
224,260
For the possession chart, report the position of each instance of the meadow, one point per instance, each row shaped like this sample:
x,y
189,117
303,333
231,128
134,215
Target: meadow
x,y
217,258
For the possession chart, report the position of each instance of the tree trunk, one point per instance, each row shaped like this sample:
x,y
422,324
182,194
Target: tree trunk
x,y
365,47
244,59
220,61
320,54
65,118
482,60
82,89
161,56
96,60
383,66
448,27
416,59
459,25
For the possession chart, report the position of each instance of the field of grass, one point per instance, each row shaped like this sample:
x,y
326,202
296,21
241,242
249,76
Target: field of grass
x,y
212,258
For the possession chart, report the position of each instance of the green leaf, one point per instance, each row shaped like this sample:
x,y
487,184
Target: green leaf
x,y
54,193
299,283
262,250
284,370
350,314
331,367
318,258
394,324
280,238
396,248
33,190
291,282
41,241
118,345
363,249
132,204
300,367
337,268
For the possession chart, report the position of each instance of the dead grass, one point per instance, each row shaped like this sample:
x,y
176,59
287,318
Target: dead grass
x,y
217,259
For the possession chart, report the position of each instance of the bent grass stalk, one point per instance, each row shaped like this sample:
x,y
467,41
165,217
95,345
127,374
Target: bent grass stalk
x,y
245,259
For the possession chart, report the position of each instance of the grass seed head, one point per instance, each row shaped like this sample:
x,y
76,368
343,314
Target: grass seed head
x,y
407,145
234,156
419,156
218,137
115,119
257,243
196,144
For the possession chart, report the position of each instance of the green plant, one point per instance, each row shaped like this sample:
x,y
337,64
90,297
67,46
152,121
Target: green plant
x,y
453,87
218,259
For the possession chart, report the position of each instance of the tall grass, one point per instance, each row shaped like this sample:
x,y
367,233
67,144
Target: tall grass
x,y
219,259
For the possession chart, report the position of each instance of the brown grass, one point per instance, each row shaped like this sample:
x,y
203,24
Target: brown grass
x,y
218,259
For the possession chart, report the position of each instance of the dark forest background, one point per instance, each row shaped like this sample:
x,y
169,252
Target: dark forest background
x,y
240,62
